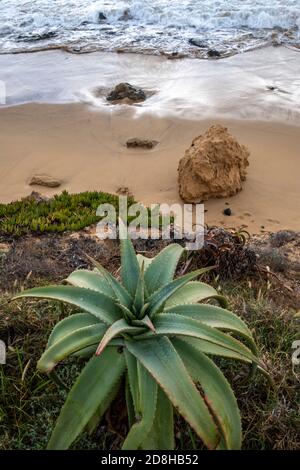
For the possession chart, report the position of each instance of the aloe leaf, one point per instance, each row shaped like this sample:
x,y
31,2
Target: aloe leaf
x,y
128,314
120,292
120,327
216,317
91,350
143,259
160,358
171,324
90,280
147,391
139,299
130,270
96,303
70,324
129,403
70,344
93,386
194,292
161,435
104,405
217,391
146,322
159,297
162,268
133,382
214,349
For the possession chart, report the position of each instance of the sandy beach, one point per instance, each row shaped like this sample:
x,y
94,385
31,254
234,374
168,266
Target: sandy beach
x,y
59,123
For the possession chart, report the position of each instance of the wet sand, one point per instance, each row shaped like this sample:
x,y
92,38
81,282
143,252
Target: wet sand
x,y
86,149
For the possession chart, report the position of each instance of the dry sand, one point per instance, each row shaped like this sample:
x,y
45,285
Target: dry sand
x,y
86,149
84,143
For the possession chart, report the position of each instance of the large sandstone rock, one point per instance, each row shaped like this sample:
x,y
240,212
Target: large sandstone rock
x,y
214,166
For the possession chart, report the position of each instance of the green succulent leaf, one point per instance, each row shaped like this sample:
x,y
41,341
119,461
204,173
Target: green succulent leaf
x,y
69,344
93,387
171,324
194,292
70,325
144,259
160,358
162,268
91,280
146,407
119,328
161,435
214,349
96,303
146,322
133,382
159,297
139,299
130,270
104,405
216,317
217,392
121,293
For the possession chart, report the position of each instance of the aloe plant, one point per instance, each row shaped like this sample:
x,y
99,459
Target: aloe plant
x,y
158,334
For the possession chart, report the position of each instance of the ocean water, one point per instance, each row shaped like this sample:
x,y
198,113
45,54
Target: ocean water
x,y
172,27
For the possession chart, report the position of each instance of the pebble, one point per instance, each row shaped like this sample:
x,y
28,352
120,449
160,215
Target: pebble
x,y
227,211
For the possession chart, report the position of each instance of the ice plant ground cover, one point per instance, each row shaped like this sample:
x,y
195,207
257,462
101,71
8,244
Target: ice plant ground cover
x,y
151,329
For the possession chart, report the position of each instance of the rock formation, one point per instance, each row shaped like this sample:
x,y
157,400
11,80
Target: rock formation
x,y
141,143
125,91
213,167
45,180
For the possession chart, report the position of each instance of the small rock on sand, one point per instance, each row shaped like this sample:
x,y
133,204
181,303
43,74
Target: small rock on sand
x,y
35,197
141,143
227,211
124,191
125,91
214,166
45,180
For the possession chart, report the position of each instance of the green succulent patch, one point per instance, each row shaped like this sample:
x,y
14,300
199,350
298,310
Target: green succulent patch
x,y
63,212
156,333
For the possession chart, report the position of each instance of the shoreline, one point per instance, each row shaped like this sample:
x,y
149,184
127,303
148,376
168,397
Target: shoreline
x,y
55,123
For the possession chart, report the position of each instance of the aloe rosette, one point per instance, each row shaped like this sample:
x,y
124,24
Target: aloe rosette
x,y
156,333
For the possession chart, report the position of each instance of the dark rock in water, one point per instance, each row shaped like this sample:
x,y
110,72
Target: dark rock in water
x,y
126,15
125,91
213,53
271,88
36,37
101,16
227,211
197,42
141,143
